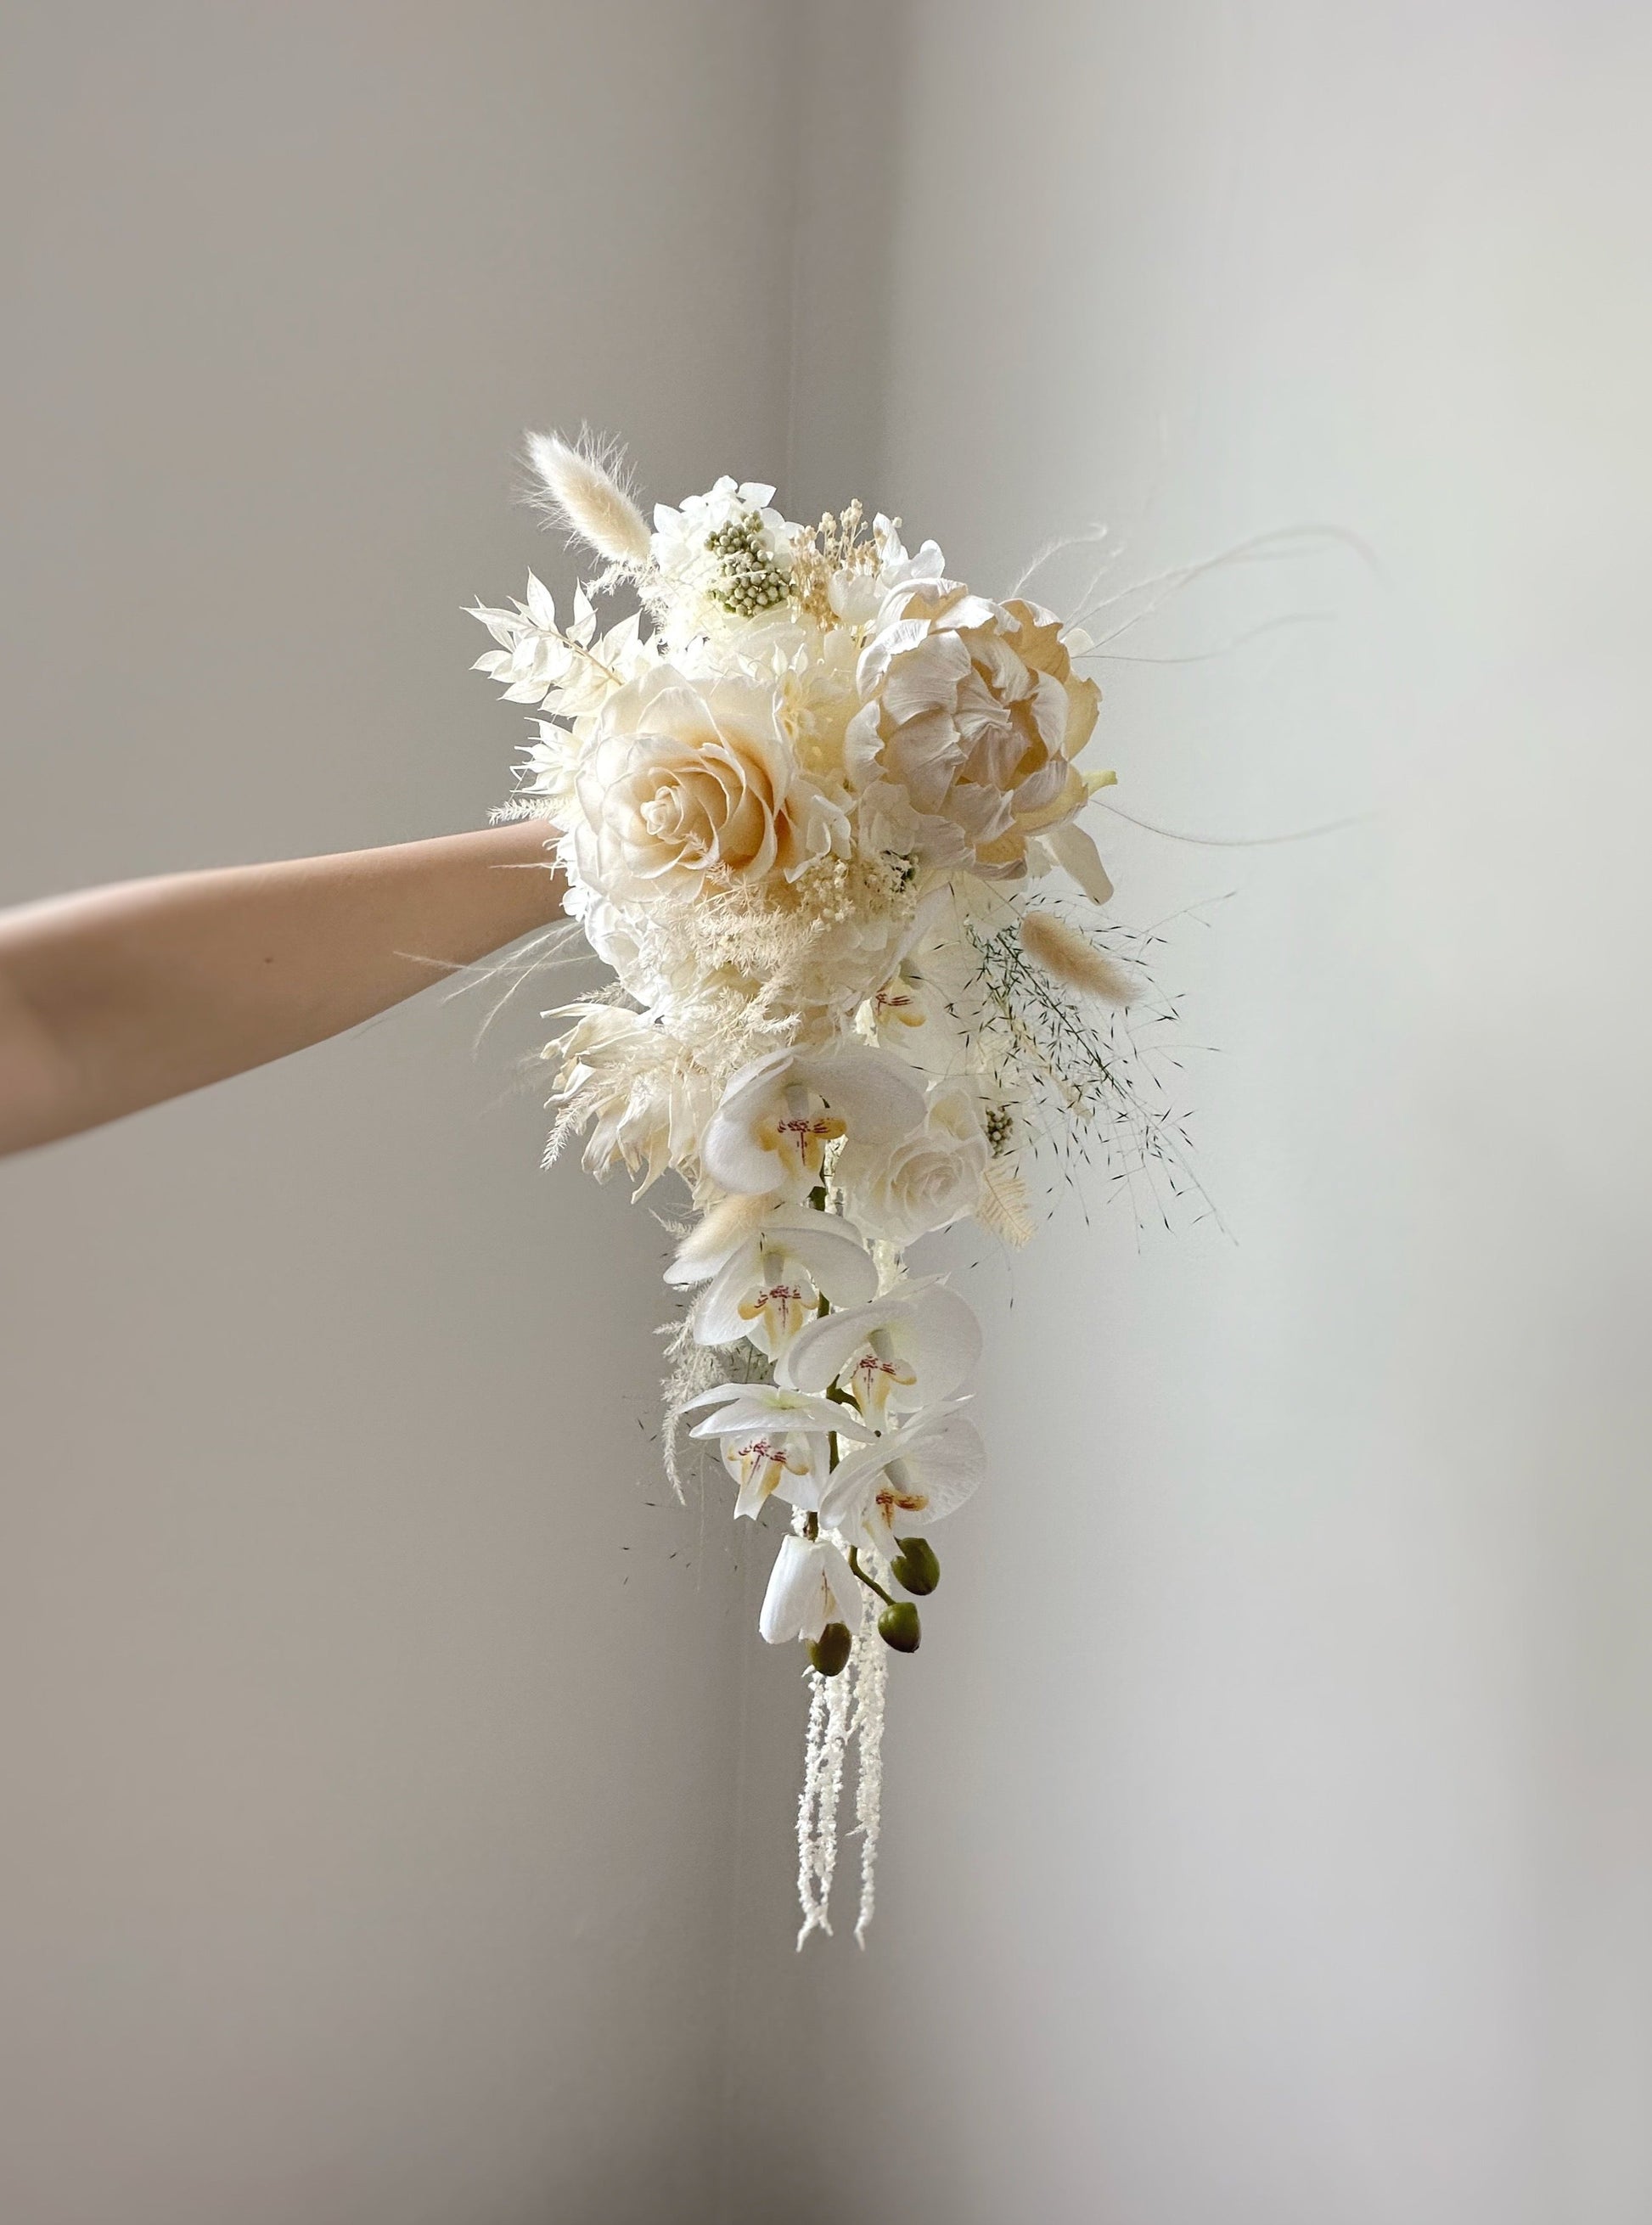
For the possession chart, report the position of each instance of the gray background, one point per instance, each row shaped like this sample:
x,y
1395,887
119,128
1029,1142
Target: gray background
x,y
398,1801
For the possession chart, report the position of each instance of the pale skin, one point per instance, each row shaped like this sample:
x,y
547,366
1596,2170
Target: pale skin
x,y
121,998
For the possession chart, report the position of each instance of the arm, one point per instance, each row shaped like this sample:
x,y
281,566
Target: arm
x,y
121,997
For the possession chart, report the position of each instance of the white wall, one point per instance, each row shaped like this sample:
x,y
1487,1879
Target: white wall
x,y
368,1737
1268,1810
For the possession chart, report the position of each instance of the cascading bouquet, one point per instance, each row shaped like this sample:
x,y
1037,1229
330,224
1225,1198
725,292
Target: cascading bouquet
x,y
818,807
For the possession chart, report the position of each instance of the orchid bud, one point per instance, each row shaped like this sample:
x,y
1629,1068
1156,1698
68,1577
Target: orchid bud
x,y
898,1627
830,1652
916,1570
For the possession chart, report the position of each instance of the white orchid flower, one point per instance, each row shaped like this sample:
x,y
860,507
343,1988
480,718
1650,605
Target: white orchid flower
x,y
772,1439
901,1483
772,1282
911,1349
911,1014
894,1002
777,1115
810,1585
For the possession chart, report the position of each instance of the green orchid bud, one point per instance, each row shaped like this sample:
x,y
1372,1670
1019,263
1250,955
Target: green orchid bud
x,y
898,1627
830,1650
916,1569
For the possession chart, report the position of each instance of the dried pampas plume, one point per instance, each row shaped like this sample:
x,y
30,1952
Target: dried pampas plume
x,y
1068,957
583,493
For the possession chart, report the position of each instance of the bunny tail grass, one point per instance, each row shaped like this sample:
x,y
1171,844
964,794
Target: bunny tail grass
x,y
1070,958
583,493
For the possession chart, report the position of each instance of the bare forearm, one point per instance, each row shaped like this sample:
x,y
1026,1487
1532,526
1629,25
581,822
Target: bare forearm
x,y
122,997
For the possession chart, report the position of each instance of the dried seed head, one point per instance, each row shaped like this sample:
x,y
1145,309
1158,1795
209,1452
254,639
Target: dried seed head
x,y
1072,959
583,493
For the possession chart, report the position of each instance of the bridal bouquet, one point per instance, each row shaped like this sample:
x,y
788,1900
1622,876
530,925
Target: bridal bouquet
x,y
818,805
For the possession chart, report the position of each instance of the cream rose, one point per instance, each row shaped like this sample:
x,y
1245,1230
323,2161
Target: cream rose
x,y
927,1180
684,778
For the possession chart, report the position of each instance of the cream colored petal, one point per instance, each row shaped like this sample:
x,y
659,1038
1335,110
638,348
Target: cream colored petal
x,y
1073,850
927,678
1050,711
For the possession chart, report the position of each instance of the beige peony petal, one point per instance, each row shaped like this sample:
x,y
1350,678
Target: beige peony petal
x,y
926,679
1075,850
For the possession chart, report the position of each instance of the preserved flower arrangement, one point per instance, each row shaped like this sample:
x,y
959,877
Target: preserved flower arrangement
x,y
818,808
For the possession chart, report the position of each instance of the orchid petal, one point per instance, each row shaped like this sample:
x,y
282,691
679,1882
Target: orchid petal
x,y
758,1406
880,1098
878,1094
829,1253
809,1586
942,1461
929,1325
714,1240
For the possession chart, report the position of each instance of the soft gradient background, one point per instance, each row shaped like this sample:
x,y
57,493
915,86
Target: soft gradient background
x,y
399,1805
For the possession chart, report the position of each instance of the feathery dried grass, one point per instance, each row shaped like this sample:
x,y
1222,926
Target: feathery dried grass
x,y
1066,956
584,493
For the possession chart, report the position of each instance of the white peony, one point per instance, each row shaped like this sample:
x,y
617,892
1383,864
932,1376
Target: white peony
x,y
973,709
617,937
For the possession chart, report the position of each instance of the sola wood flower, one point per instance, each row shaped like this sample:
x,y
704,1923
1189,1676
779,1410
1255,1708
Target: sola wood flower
x,y
931,1178
688,779
799,792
